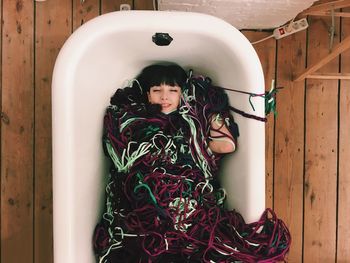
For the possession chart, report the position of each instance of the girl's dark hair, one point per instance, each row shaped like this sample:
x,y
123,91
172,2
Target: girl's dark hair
x,y
157,74
153,75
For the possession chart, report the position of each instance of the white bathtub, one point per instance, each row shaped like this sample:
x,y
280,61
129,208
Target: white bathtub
x,y
96,60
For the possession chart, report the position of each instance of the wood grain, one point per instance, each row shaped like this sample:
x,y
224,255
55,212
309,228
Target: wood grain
x,y
320,184
289,139
343,242
329,13
84,11
326,58
53,26
1,121
17,131
329,76
28,54
143,4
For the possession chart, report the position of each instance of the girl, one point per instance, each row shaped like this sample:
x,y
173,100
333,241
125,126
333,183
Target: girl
x,y
165,136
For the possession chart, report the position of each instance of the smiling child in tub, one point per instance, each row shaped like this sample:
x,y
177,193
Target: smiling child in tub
x,y
165,136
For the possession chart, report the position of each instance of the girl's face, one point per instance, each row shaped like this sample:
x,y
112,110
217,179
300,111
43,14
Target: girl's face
x,y
167,96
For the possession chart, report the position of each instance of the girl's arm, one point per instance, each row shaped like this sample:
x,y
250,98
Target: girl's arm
x,y
221,140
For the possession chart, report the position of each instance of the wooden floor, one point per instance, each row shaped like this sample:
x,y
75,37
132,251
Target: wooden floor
x,y
308,158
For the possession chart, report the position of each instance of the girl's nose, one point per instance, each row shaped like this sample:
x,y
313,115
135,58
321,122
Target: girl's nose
x,y
164,96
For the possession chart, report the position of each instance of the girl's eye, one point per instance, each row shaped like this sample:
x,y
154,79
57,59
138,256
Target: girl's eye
x,y
174,90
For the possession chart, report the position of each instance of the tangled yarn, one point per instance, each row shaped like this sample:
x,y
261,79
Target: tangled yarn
x,y
163,199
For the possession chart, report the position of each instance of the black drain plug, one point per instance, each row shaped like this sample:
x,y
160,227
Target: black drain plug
x,y
162,39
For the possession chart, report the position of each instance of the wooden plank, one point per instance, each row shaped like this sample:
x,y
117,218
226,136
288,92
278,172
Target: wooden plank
x,y
84,11
17,132
1,121
114,5
289,140
329,76
338,49
343,242
52,28
329,13
143,4
320,192
267,54
326,6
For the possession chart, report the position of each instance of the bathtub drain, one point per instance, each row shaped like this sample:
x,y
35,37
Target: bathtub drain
x,y
162,39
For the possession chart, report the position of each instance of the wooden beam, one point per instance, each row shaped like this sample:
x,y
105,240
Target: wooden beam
x,y
342,76
17,171
320,153
326,6
329,13
338,49
288,141
343,203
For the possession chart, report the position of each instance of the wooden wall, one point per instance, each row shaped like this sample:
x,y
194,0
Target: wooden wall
x,y
307,143
307,167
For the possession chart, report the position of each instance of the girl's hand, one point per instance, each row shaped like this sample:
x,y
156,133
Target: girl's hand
x,y
221,140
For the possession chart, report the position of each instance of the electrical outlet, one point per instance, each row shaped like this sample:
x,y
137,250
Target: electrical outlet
x,y
290,28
